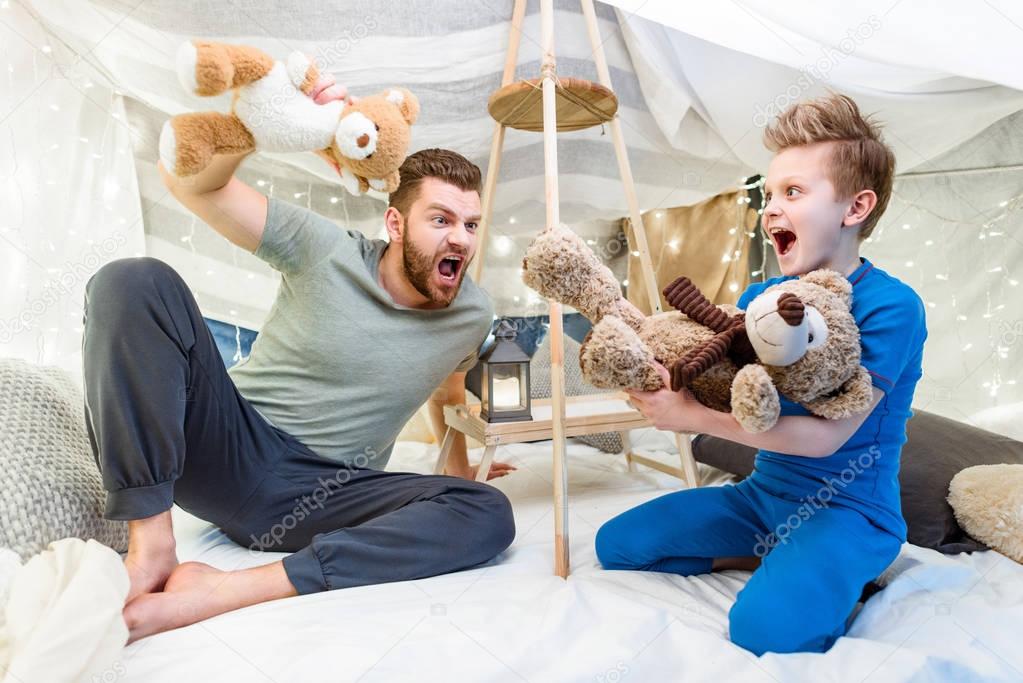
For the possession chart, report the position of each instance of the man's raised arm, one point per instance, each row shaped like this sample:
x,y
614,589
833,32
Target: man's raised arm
x,y
229,206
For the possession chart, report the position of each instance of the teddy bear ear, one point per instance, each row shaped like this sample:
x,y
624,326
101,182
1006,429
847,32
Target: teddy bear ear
x,y
831,281
407,103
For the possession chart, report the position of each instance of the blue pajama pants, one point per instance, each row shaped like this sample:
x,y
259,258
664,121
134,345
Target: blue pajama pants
x,y
815,560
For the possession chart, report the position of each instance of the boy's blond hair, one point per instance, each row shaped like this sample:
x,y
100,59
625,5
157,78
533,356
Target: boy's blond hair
x,y
861,160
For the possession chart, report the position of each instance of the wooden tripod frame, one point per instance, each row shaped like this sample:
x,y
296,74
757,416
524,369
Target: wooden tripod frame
x,y
550,86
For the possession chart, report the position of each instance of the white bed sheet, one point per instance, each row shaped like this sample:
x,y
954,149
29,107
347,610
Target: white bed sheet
x,y
940,618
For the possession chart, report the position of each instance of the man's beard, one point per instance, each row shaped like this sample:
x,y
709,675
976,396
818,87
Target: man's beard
x,y
420,268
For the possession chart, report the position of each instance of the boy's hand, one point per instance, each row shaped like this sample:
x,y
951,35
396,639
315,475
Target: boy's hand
x,y
673,411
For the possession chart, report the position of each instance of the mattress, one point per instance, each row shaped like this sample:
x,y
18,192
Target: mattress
x,y
939,617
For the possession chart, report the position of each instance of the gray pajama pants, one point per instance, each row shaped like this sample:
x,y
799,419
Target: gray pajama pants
x,y
167,425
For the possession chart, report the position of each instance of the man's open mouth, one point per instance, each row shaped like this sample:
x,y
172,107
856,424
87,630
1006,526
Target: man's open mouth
x,y
784,239
450,267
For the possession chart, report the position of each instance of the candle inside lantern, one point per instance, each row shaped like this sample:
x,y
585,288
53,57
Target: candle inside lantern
x,y
506,392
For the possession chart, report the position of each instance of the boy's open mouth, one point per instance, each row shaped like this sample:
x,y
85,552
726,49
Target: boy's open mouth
x,y
784,239
449,268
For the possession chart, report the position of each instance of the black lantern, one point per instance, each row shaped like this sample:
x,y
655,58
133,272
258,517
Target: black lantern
x,y
504,381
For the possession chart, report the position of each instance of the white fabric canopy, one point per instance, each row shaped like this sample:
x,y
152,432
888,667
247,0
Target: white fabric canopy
x,y
450,58
69,199
86,86
937,74
696,83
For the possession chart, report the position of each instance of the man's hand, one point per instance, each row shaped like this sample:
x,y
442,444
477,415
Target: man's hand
x,y
328,90
497,469
673,411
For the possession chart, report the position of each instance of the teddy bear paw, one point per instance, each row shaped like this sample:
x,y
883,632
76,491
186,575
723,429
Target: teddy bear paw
x,y
559,266
755,403
298,68
169,148
614,357
350,182
186,60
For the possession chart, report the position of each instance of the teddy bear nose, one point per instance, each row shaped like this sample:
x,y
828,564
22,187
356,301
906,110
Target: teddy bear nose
x,y
791,309
362,140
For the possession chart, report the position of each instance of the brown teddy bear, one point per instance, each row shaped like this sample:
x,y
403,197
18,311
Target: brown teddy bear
x,y
798,338
271,111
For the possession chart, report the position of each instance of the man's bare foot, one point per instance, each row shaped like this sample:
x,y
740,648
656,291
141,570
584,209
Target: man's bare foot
x,y
148,569
196,591
151,554
185,598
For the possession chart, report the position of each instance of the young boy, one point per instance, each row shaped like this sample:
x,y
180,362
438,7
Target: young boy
x,y
820,516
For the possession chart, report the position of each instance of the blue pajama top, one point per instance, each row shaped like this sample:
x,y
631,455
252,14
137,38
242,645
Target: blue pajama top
x,y
863,473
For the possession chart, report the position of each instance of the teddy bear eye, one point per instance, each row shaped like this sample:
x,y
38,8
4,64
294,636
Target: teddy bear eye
x,y
376,126
817,329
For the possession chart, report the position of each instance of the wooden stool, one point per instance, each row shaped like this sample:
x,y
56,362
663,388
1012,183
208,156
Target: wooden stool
x,y
584,415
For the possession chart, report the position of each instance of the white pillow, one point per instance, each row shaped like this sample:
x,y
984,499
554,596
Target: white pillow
x,y
1006,420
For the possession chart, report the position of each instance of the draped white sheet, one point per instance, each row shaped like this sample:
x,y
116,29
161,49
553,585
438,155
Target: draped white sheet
x,y
937,74
940,618
60,614
69,199
450,57
696,83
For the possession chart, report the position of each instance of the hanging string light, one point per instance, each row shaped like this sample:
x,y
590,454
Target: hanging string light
x,y
995,229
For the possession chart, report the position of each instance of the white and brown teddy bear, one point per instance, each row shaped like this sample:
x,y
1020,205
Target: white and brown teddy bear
x,y
798,338
272,111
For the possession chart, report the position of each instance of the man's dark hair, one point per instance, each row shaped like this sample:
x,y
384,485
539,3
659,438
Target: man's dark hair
x,y
443,164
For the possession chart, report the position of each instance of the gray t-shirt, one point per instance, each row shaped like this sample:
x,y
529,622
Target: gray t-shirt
x,y
338,364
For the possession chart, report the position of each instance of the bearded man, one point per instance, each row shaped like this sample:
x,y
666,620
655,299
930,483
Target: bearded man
x,y
286,451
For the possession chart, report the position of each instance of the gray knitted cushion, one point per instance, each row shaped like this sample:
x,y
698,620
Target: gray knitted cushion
x,y
575,385
50,487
